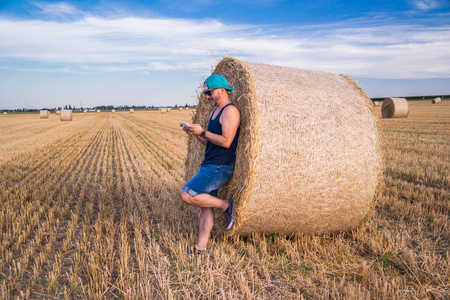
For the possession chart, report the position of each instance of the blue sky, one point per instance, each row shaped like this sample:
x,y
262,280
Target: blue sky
x,y
89,53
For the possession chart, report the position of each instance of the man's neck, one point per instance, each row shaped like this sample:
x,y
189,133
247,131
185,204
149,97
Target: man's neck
x,y
224,101
223,105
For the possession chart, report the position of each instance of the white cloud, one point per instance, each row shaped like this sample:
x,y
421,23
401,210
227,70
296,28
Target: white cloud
x,y
59,9
427,5
130,44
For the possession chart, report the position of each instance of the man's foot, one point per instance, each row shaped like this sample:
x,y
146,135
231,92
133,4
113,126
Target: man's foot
x,y
195,251
229,213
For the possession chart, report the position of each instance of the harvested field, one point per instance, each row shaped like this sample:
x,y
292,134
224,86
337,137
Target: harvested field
x,y
94,213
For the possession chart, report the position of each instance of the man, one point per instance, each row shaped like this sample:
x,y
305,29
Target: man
x,y
220,140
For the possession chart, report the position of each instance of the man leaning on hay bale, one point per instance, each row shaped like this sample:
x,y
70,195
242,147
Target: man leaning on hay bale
x,y
220,140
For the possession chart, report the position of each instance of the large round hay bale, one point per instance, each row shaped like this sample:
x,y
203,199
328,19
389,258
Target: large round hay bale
x,y
66,115
58,112
44,113
395,108
308,158
436,100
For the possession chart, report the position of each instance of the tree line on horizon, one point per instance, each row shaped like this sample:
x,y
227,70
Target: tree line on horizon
x,y
100,107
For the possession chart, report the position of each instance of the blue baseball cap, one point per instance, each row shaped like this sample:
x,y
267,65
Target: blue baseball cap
x,y
216,81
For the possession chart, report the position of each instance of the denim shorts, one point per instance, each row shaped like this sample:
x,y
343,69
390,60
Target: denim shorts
x,y
209,179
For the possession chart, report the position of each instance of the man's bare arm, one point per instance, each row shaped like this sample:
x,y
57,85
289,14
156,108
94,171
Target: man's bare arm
x,y
201,140
230,120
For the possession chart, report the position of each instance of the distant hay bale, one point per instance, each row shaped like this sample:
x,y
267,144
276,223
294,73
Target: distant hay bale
x,y
66,115
308,158
163,110
85,111
113,110
394,108
44,114
436,100
98,110
58,112
376,103
131,110
180,108
5,113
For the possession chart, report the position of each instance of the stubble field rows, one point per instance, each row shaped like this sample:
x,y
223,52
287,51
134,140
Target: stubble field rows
x,y
90,209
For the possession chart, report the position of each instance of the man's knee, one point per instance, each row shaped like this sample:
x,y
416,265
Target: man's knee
x,y
185,196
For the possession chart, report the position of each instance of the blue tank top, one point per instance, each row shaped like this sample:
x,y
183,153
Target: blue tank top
x,y
219,155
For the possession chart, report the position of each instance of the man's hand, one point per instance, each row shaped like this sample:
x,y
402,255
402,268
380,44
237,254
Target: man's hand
x,y
193,129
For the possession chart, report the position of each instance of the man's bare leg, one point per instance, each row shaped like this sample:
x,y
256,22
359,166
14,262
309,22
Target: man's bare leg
x,y
206,202
205,227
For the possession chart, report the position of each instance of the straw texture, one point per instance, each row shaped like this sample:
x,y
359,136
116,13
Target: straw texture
x,y
395,108
436,100
66,115
44,114
308,158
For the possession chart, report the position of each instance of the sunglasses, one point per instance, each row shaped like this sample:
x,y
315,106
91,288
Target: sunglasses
x,y
209,93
